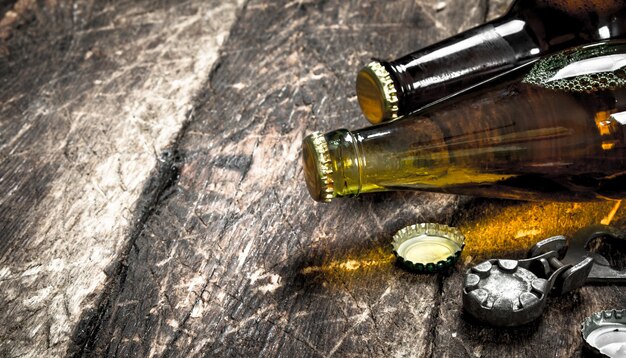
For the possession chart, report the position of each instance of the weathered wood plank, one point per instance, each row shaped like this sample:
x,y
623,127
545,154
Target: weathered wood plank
x,y
238,260
91,94
219,250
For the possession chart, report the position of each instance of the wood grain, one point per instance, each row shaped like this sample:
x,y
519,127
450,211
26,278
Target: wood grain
x,y
92,94
239,261
152,201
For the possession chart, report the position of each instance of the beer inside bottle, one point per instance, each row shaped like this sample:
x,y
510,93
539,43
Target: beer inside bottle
x,y
550,129
531,28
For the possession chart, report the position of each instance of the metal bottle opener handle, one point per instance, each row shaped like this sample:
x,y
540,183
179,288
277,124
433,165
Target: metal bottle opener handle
x,y
514,292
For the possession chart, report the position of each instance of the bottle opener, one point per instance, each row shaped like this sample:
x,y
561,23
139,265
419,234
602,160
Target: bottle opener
x,y
514,292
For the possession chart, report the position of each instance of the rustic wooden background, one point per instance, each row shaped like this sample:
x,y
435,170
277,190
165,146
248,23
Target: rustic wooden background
x,y
152,201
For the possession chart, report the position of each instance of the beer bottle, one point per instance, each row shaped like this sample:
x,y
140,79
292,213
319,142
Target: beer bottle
x,y
553,128
530,29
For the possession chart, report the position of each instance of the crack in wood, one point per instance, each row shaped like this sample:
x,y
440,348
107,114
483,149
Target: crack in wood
x,y
166,176
486,10
434,321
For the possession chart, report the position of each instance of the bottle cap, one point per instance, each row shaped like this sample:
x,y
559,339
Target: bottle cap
x,y
428,247
376,93
317,167
604,334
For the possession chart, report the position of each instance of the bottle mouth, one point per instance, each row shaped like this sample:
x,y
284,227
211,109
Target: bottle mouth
x,y
376,93
317,167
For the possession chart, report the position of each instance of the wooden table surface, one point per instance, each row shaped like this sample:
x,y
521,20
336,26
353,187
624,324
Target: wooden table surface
x,y
152,201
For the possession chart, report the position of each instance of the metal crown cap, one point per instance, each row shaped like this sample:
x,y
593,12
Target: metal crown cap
x,y
428,247
318,168
376,93
604,333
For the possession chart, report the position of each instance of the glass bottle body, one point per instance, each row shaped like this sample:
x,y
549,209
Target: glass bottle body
x,y
550,129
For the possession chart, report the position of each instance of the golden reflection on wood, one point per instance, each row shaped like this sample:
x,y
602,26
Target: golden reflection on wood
x,y
500,228
373,258
512,228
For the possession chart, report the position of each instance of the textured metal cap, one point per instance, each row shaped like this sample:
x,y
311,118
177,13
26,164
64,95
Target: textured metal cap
x,y
428,247
604,334
317,167
376,93
504,294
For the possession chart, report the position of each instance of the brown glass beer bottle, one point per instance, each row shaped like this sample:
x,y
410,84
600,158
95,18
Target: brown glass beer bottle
x,y
531,28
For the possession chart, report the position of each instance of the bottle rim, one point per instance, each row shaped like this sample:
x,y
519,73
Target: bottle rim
x,y
376,93
317,167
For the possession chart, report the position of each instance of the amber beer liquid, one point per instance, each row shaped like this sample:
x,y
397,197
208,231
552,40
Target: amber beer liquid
x,y
551,129
531,28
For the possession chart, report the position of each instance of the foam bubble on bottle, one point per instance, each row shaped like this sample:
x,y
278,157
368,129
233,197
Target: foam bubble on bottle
x,y
543,71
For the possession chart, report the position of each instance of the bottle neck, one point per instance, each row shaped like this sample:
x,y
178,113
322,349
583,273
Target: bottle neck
x,y
531,28
458,62
347,162
333,165
388,156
